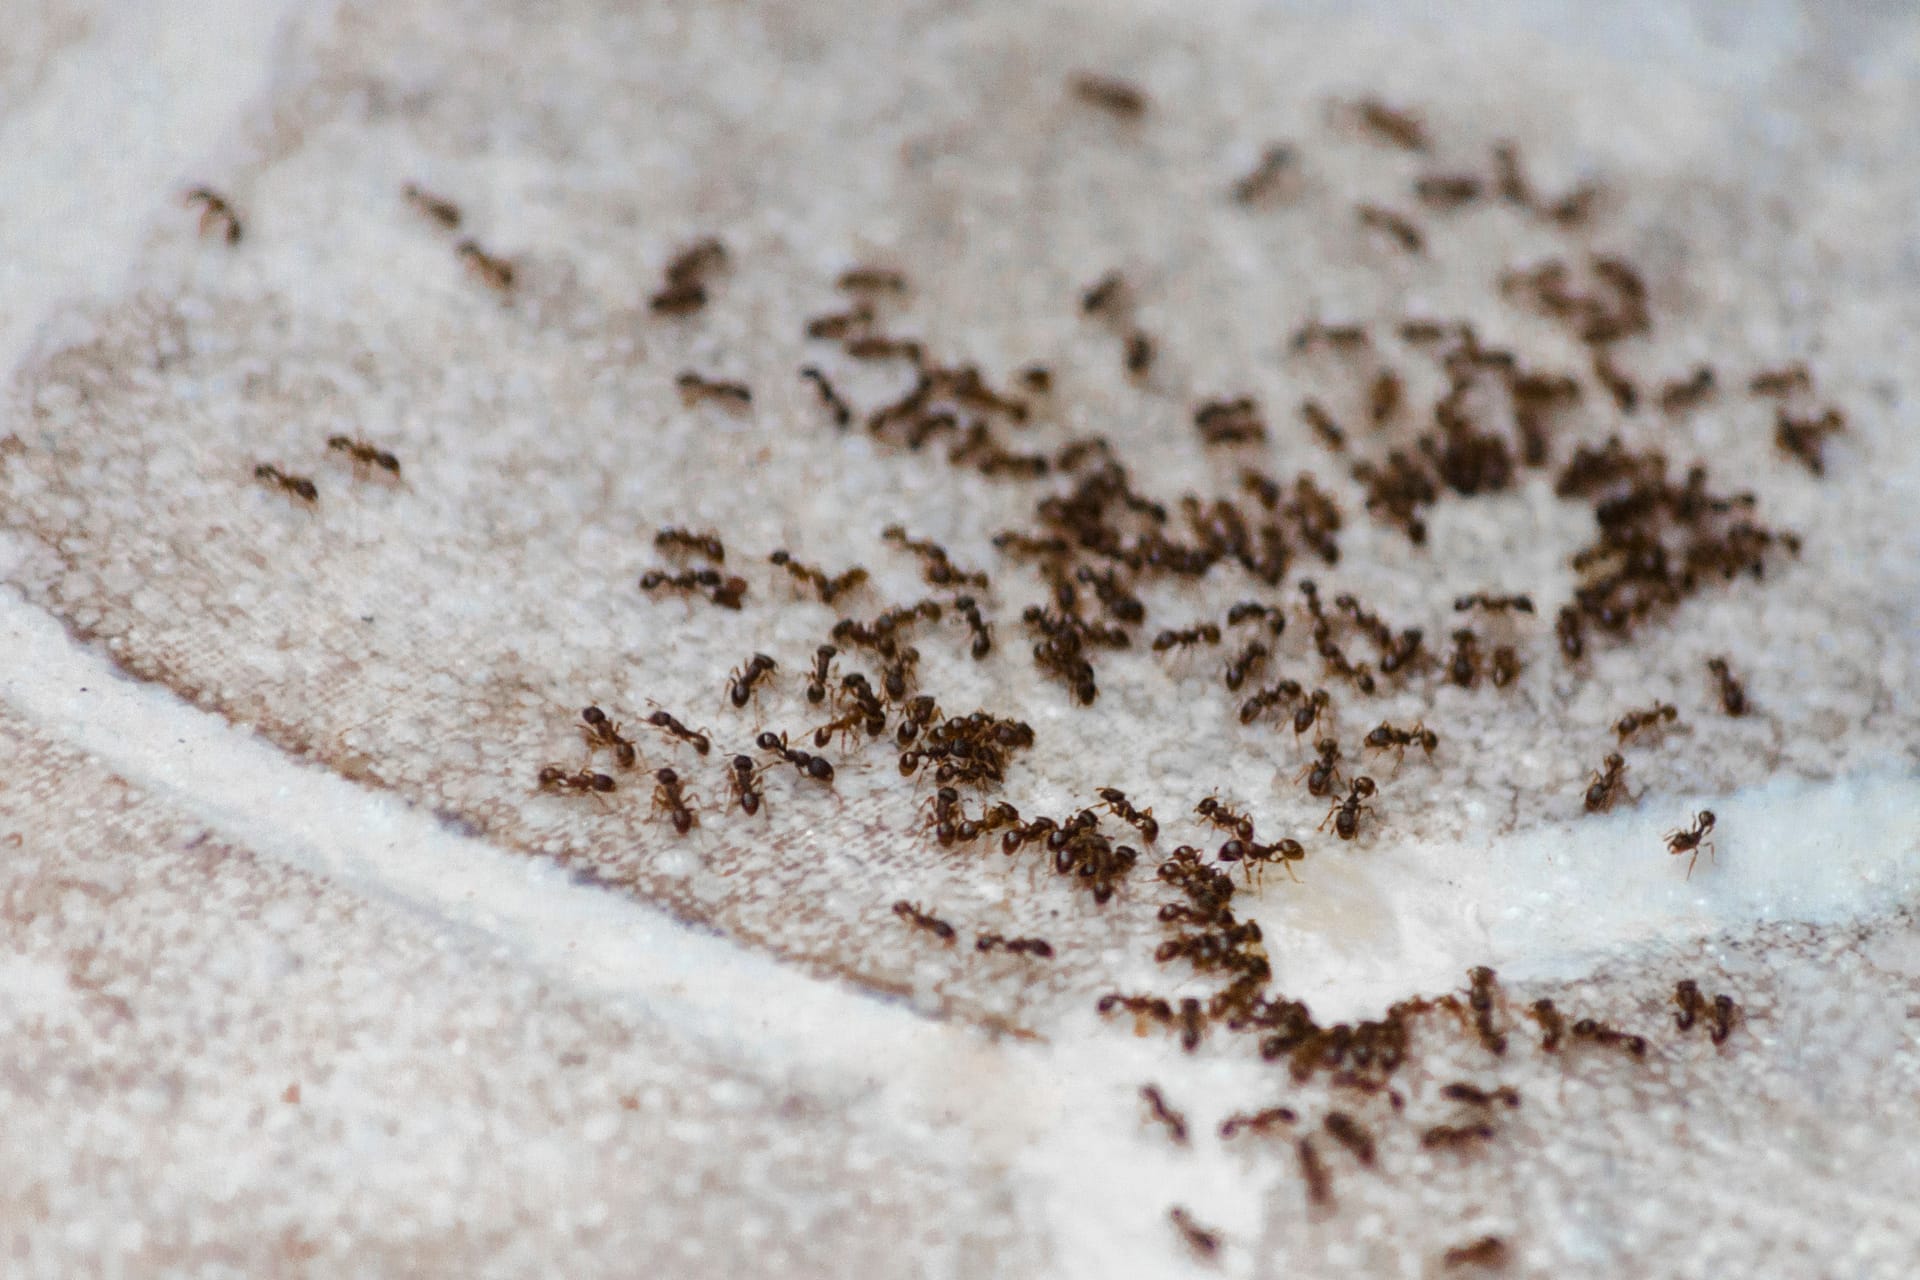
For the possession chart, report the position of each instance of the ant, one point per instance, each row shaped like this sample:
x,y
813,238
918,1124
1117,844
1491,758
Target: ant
x,y
695,388
494,272
1463,668
1605,787
1475,1096
1493,603
819,768
706,544
1250,854
1109,94
1339,336
700,742
1505,665
1570,631
1600,1033
817,678
1783,381
842,413
1692,839
1456,1136
214,212
1383,400
1396,226
829,589
1393,125
1351,1134
1345,814
586,782
1632,722
1265,175
1202,1240
438,208
1487,1251
1553,1024
743,779
1254,611
1285,691
601,731
1323,425
1480,997
1225,818
919,919
1733,695
1142,820
758,668
1313,1170
1139,353
1446,190
1166,1115
686,277
726,591
299,486
1257,1122
1323,774
1724,1013
1683,394
672,797
1205,633
1309,712
365,454
982,643
1386,736
871,280
1248,661
1018,946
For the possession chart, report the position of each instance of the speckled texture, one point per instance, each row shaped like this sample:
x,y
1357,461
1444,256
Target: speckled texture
x,y
436,638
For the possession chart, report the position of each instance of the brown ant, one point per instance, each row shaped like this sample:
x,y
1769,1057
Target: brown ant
x,y
818,768
1474,1096
1692,840
982,643
584,781
842,413
671,797
686,274
706,544
1446,190
1204,1241
1323,774
1626,396
743,779
1463,668
1309,712
601,731
1257,1122
299,486
1345,814
1725,1011
919,919
1484,986
694,389
1395,126
1387,736
1323,425
1597,1032
727,592
1109,94
1603,788
1116,803
1235,421
743,679
1265,176
1682,394
841,324
1273,695
1166,1115
1139,354
214,212
1456,1136
1223,817
1245,663
1313,1170
1351,1134
1252,855
1205,633
1571,633
1733,694
829,589
1493,603
1553,1024
365,454
1804,437
437,208
1783,381
1018,946
817,678
1341,337
1487,1251
1505,665
494,272
1384,398
665,722
1632,722
1109,294
1396,226
874,346
1254,611
871,280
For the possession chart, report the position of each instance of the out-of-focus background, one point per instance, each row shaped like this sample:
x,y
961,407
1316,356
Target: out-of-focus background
x,y
302,975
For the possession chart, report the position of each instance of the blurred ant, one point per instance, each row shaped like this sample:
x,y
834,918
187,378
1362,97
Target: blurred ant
x,y
1109,94
1018,946
1248,661
1692,840
1204,1241
299,486
1632,722
676,539
1256,1122
214,212
1265,175
494,272
919,919
437,208
1313,1171
1395,126
365,454
1487,1251
1493,603
1733,695
842,413
1454,1137
1474,1096
1205,633
694,389
1157,1104
1345,814
871,280
1396,226
1505,666
1605,787
1351,1134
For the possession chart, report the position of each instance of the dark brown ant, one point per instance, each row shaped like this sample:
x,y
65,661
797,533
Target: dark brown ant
x,y
214,212
1345,814
743,679
1139,354
1683,394
1313,1170
1474,1096
1229,422
1252,855
665,722
842,413
553,777
1254,611
1604,787
1733,694
841,324
1487,1251
982,643
1143,1008
1387,736
436,208
1454,1137
1246,663
1223,817
1484,987
1725,1012
817,679
1186,638
1571,633
1493,603
1783,381
829,589
1447,190
1341,337
1109,94
1422,331
1157,1105
706,544
1323,774
1395,126
1463,667
600,730
1686,994
1204,1241
1597,1032
671,797
1553,1024
1273,695
1505,666
299,486
725,591
1803,437
1690,840
1309,711
686,276
1634,721
874,346
1257,1122
1324,426
365,454
1107,295
1018,946
1396,226
743,779
1384,398
1265,176
818,768
919,919
1351,1134
871,280
494,272
1115,801
1626,396
696,389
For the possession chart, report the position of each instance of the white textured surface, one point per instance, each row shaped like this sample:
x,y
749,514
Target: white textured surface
x,y
196,922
